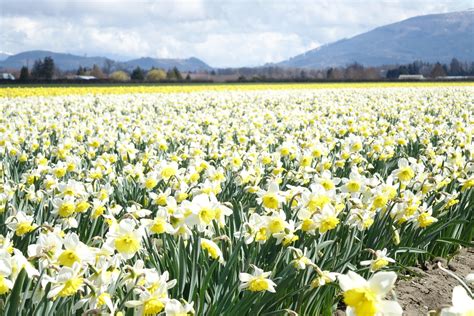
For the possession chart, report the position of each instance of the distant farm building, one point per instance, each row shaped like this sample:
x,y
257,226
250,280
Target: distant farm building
x,y
411,77
7,76
85,77
455,78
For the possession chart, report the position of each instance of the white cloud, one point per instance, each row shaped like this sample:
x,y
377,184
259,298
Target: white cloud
x,y
222,33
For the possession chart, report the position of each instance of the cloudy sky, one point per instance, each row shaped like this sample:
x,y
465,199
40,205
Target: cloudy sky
x,y
222,33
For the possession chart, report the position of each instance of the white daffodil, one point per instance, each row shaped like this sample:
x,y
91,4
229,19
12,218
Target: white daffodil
x,y
67,282
257,281
463,304
212,249
405,171
300,260
75,251
5,272
272,198
153,296
21,223
176,308
125,238
355,184
327,219
202,210
380,261
324,277
366,297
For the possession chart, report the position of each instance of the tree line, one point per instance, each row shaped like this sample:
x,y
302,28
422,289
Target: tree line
x,y
45,70
354,72
454,68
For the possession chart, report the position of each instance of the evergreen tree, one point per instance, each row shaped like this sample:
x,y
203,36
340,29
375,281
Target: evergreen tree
x,y
455,68
177,74
48,68
37,70
170,75
403,70
138,74
81,71
393,73
438,71
24,74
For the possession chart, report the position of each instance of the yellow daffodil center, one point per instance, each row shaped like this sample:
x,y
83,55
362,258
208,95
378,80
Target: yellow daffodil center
x,y
66,209
353,186
270,200
101,299
210,249
98,211
406,174
60,172
71,287
261,234
67,258
258,284
307,225
150,183
380,201
23,228
153,306
161,200
82,206
276,225
69,191
362,300
206,215
3,286
317,202
328,223
127,244
285,151
168,172
327,184
288,239
379,264
306,161
425,219
158,226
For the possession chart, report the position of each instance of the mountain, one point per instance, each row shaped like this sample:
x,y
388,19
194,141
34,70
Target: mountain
x,y
431,38
4,55
62,61
189,64
72,62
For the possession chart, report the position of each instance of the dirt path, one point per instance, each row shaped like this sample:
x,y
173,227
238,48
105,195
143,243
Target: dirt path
x,y
433,288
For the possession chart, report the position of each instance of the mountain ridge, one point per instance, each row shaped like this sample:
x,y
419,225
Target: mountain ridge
x,y
68,62
434,37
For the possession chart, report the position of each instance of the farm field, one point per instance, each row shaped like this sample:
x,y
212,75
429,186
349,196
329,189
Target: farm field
x,y
253,199
78,89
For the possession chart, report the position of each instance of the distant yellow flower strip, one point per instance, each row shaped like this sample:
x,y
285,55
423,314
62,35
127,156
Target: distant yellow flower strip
x,y
52,90
253,201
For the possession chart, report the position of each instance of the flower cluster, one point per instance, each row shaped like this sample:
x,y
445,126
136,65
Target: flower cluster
x,y
161,203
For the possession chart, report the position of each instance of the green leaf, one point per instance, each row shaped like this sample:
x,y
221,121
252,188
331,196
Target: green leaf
x,y
456,241
15,296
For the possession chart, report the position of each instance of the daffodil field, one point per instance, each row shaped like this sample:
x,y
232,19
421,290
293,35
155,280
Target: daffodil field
x,y
229,202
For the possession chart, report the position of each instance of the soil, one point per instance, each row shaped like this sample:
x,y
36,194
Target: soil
x,y
431,288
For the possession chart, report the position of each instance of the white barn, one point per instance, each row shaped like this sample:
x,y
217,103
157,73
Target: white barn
x,y
411,77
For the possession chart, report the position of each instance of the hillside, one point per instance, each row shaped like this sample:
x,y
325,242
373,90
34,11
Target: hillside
x,y
431,38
